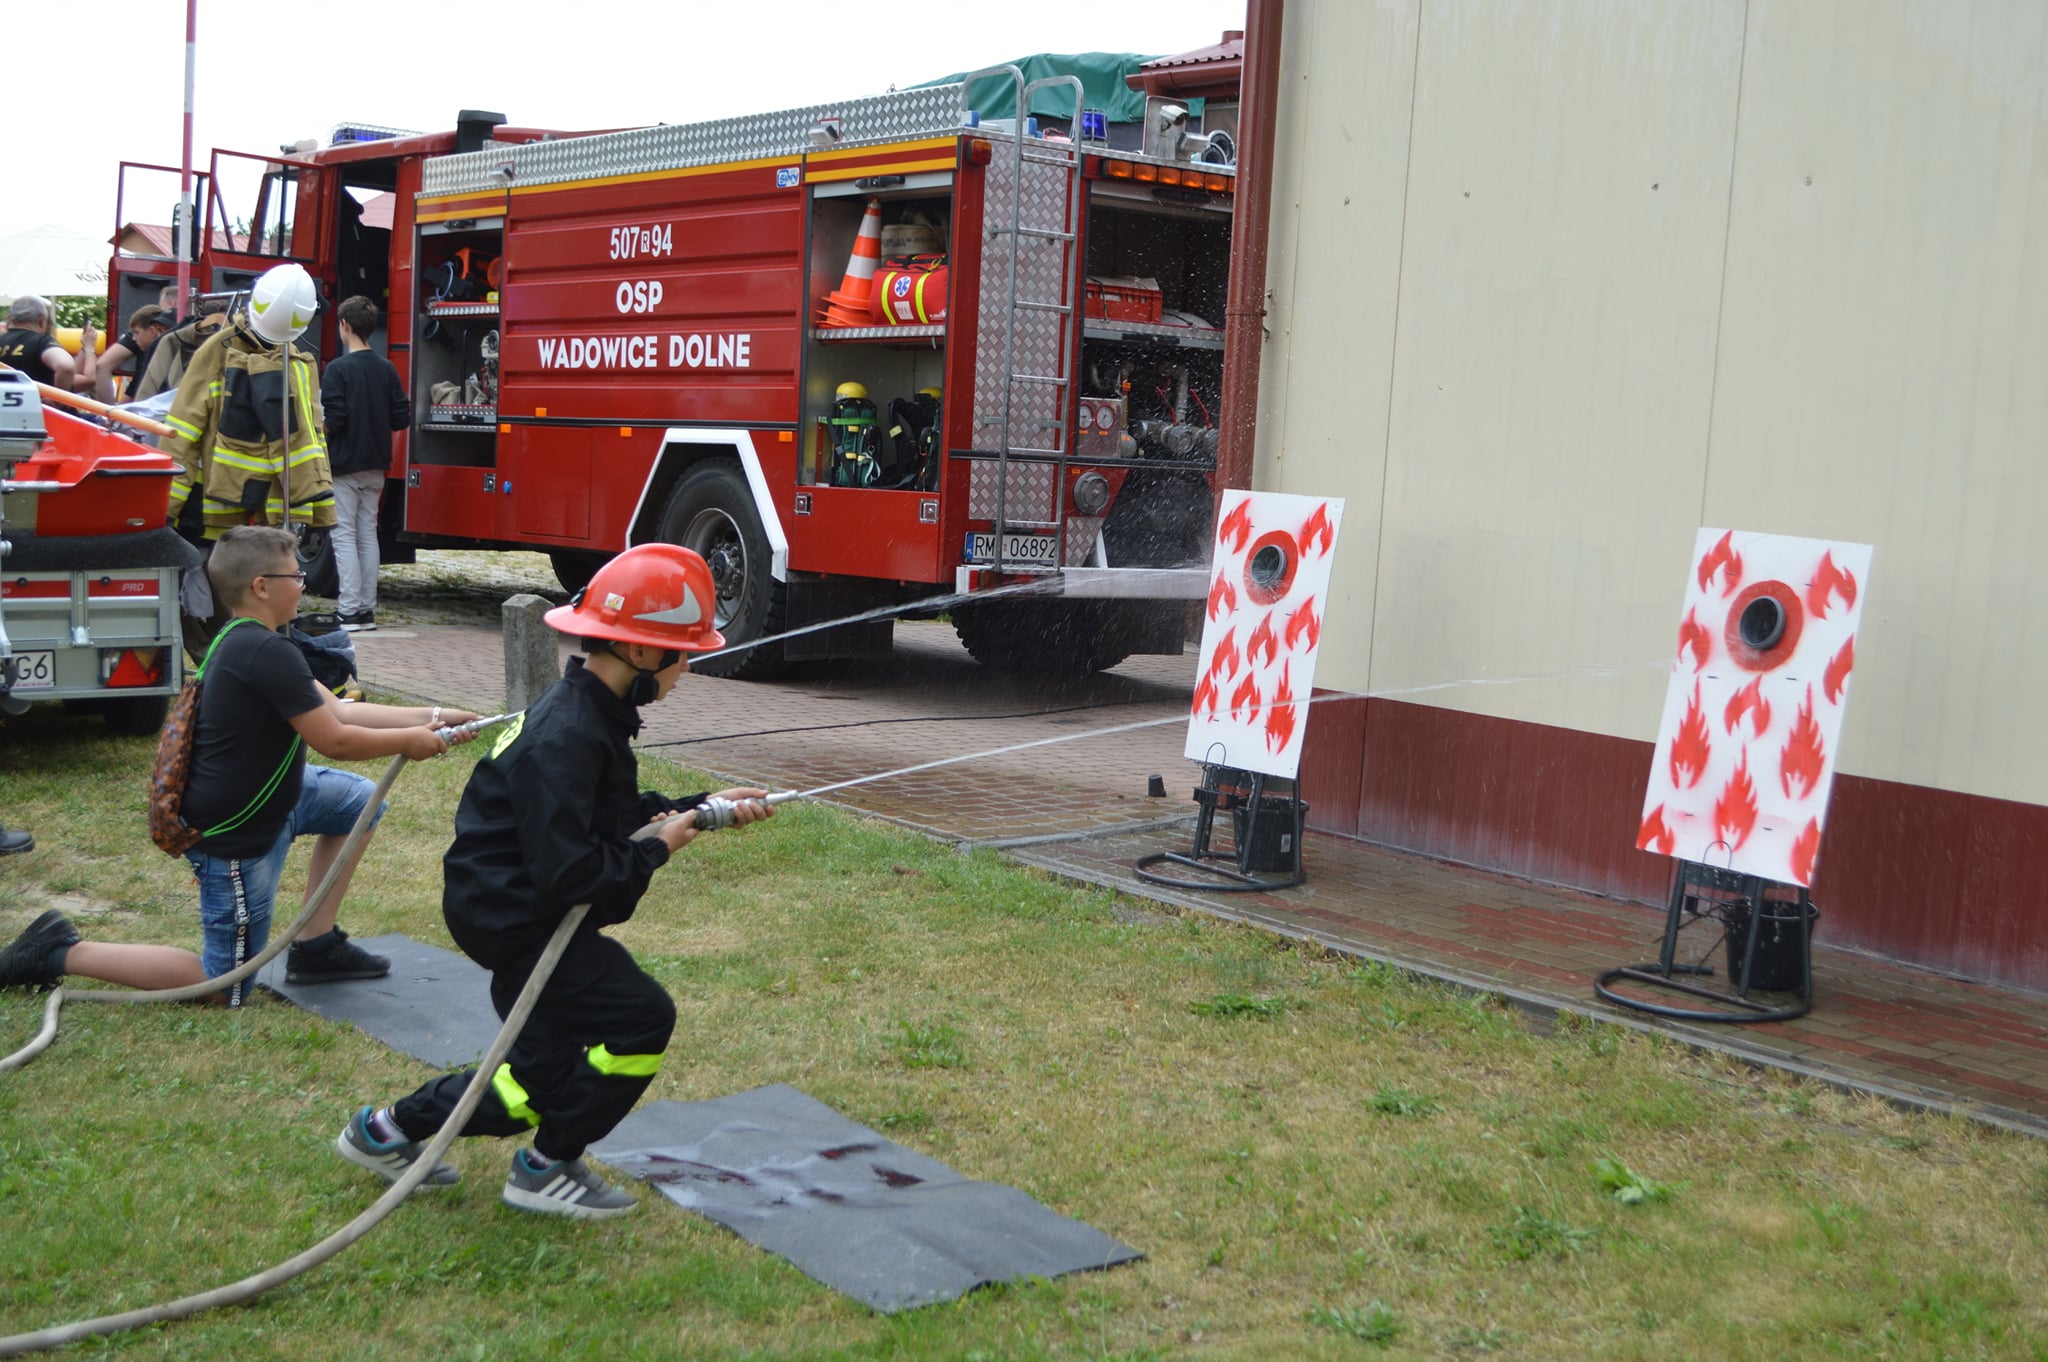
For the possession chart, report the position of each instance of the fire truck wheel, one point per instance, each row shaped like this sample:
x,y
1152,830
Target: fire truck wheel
x,y
1046,638
136,715
712,511
316,560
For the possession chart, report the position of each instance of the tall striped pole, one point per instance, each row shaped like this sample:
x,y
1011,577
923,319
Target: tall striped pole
x,y
184,246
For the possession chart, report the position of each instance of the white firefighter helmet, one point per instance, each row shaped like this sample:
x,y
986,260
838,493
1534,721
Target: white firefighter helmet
x,y
282,303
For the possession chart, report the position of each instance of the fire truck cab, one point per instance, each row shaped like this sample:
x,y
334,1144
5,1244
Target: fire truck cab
x,y
878,356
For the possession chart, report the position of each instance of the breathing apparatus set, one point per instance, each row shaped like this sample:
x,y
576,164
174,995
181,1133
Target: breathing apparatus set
x,y
852,445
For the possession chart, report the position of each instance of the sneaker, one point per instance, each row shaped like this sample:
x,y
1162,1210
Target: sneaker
x,y
388,1160
13,843
338,959
360,622
26,961
566,1188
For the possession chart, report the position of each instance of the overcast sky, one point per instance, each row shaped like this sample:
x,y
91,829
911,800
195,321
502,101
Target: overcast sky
x,y
104,80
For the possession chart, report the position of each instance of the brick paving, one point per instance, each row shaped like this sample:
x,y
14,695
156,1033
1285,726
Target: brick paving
x,y
1079,809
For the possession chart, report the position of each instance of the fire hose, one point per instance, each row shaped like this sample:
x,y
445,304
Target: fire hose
x,y
98,408
351,851
711,815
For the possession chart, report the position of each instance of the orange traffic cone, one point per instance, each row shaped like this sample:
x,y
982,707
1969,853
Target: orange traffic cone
x,y
851,304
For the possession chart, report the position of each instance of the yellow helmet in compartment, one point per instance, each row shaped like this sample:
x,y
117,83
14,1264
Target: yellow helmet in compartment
x,y
847,390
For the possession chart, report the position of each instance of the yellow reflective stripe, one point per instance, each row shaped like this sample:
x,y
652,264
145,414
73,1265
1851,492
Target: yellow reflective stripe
x,y
512,1096
307,453
234,459
510,735
623,1066
180,493
184,428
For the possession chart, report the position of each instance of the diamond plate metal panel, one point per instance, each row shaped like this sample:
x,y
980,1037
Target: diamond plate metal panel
x,y
1025,341
1082,532
1029,500
906,114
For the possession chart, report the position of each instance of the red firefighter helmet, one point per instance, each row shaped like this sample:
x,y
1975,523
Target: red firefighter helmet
x,y
660,595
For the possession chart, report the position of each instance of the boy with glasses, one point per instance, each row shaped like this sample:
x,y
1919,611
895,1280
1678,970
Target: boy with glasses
x,y
252,792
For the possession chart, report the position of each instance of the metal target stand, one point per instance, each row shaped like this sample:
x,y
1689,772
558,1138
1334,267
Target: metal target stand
x,y
1265,836
1769,925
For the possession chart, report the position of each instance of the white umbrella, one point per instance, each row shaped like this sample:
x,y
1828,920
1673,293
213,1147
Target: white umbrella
x,y
51,260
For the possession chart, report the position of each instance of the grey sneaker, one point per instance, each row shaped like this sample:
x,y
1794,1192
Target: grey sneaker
x,y
338,958
387,1161
566,1188
26,961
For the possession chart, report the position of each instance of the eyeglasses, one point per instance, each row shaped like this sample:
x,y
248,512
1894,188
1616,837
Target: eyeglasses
x,y
298,577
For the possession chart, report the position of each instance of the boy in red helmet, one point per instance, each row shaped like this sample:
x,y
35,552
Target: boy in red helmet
x,y
543,826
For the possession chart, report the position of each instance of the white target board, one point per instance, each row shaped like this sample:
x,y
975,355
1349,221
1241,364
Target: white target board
x,y
1746,753
1270,580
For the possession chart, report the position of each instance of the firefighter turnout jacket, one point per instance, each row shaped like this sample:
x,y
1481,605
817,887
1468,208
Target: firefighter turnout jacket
x,y
544,822
228,436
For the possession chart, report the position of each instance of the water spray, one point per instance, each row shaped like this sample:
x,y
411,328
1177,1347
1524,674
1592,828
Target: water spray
x,y
1045,586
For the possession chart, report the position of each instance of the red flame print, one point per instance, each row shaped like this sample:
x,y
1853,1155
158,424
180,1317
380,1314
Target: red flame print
x,y
1724,559
1244,701
1735,810
1829,581
1222,597
1804,849
1236,530
1262,641
1836,678
1281,718
1316,535
1804,756
1690,748
1224,663
1694,638
1304,630
1750,700
1205,697
1655,835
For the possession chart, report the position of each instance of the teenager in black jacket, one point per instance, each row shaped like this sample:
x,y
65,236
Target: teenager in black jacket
x,y
364,405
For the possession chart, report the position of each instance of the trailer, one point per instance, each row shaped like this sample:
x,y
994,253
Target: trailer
x,y
89,572
864,357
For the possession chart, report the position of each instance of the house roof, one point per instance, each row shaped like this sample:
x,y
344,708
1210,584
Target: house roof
x,y
1212,72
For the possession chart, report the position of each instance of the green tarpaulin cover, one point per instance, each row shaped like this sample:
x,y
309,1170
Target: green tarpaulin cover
x,y
1102,82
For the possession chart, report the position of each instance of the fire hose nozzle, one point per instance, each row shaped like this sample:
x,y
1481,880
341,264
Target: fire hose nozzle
x,y
715,813
476,725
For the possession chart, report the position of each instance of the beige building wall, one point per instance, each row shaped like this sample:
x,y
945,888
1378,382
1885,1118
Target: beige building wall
x,y
1610,270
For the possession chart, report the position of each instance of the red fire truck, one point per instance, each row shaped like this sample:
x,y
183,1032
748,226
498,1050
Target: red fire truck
x,y
667,333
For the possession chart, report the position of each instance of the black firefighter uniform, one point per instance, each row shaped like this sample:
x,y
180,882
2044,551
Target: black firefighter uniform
x,y
228,440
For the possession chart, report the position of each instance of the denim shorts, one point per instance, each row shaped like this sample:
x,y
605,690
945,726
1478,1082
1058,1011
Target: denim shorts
x,y
236,893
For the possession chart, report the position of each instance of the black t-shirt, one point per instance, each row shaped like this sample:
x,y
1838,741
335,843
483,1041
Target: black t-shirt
x,y
24,349
255,684
138,355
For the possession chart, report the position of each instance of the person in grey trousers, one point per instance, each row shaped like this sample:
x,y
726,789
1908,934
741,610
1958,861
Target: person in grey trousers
x,y
364,403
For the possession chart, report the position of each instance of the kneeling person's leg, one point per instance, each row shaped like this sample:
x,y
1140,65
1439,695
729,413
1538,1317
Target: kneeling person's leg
x,y
236,895
330,801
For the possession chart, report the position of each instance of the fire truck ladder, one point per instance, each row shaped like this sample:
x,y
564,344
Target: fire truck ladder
x,y
1033,240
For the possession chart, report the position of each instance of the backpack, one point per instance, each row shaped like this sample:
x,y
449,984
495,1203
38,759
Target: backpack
x,y
174,764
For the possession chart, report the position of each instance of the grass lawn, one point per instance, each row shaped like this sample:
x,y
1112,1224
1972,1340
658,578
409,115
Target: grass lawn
x,y
1321,1160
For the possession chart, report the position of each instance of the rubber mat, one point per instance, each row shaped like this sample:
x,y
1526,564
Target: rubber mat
x,y
435,1005
883,1224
